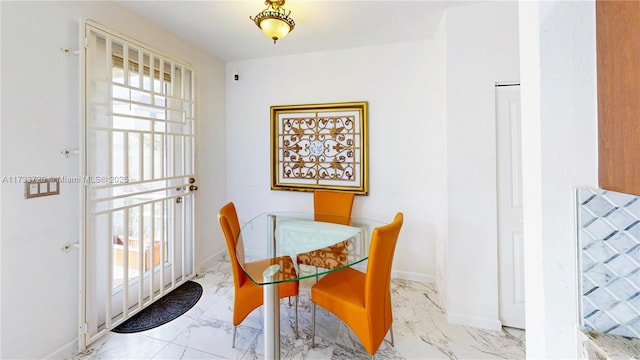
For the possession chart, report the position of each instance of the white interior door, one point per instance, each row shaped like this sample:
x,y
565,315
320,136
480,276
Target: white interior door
x,y
139,171
510,221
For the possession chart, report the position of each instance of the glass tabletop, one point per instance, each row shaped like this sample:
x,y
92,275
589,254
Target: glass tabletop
x,y
272,246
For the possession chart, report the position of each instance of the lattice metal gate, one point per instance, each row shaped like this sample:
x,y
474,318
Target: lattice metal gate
x,y
139,178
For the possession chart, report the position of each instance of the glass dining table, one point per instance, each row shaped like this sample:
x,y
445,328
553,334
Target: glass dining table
x,y
270,244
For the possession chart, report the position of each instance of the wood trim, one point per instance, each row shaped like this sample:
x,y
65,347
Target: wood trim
x,y
618,59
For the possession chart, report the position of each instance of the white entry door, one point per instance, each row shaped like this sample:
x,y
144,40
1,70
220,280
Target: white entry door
x,y
510,222
139,171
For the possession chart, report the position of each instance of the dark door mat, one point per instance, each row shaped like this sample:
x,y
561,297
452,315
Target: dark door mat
x,y
167,308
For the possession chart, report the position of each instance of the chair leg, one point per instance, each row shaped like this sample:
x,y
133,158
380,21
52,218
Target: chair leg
x,y
391,332
313,326
233,339
296,310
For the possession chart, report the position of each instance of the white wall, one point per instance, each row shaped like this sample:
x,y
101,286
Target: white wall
x,y
404,85
482,48
40,116
558,62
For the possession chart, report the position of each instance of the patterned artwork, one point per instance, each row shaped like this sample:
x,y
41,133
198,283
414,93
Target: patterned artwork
x,y
609,249
319,146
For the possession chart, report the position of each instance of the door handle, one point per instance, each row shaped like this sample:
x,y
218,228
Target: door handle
x,y
193,188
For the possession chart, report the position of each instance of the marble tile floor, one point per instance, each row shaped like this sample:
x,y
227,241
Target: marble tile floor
x,y
204,332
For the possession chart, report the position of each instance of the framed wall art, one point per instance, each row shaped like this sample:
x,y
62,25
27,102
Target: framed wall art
x,y
320,146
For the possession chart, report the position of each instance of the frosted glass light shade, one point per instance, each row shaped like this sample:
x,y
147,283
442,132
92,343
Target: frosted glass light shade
x,y
274,28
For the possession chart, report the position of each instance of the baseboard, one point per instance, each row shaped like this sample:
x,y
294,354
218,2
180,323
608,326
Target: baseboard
x,y
65,352
403,275
412,276
442,296
215,255
474,321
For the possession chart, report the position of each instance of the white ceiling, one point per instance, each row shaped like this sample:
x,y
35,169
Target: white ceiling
x,y
224,29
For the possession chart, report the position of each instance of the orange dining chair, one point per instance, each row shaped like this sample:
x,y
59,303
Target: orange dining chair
x,y
363,300
334,207
247,295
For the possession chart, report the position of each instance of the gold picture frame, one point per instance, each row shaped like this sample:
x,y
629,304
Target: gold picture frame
x,y
320,146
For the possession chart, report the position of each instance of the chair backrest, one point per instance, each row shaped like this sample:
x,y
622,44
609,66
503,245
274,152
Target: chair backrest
x,y
228,218
377,298
332,206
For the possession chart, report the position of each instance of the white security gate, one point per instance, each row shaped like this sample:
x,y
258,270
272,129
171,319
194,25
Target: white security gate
x,y
139,177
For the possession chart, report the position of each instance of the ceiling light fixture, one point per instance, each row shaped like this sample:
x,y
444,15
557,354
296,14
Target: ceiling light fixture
x,y
274,21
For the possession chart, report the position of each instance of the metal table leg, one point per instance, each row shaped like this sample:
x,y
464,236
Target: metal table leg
x,y
271,312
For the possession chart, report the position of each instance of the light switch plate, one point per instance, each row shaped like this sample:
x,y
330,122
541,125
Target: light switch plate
x,y
37,187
